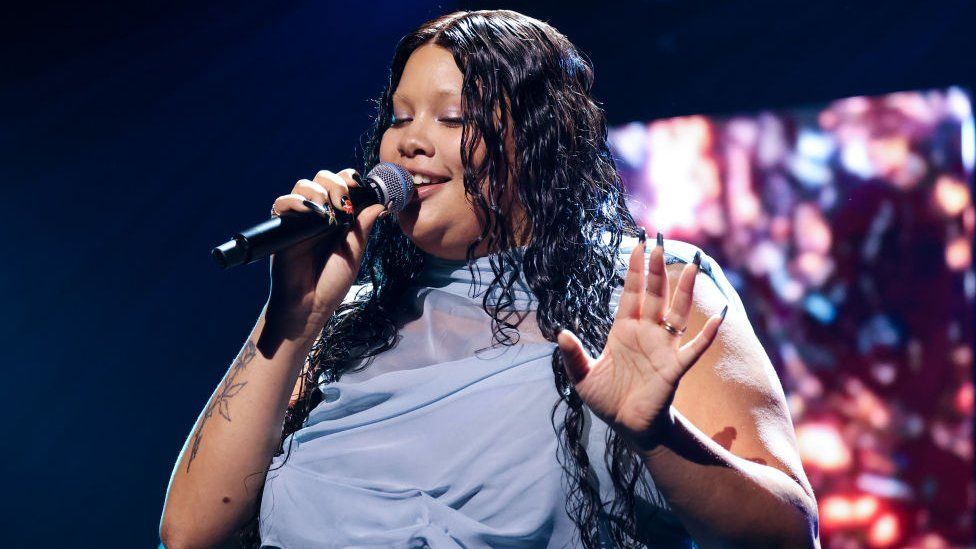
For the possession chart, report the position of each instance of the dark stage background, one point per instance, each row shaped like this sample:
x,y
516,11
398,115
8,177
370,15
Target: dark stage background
x,y
134,138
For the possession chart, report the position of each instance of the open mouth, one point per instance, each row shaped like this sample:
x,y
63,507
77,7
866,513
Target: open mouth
x,y
421,180
425,185
423,191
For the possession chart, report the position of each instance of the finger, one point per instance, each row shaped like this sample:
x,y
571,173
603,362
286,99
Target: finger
x,y
359,233
658,286
576,360
291,204
677,315
633,293
352,179
690,352
311,190
338,189
318,199
367,217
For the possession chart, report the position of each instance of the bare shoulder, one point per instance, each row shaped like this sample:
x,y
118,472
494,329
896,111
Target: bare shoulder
x,y
733,394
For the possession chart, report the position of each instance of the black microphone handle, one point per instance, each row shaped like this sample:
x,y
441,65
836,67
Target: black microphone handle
x,y
278,233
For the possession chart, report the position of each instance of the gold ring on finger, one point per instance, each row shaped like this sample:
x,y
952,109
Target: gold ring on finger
x,y
670,327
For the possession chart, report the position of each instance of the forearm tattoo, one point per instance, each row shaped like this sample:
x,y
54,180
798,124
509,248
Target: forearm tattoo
x,y
222,401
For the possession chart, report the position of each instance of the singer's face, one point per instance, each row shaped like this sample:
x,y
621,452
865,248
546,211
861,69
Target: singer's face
x,y
425,138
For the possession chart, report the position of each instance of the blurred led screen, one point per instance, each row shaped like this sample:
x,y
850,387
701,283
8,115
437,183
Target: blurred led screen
x,y
847,229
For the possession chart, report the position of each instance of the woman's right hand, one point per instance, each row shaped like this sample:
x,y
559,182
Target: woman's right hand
x,y
310,279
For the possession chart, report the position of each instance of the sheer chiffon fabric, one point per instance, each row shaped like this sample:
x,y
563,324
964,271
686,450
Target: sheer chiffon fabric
x,y
444,441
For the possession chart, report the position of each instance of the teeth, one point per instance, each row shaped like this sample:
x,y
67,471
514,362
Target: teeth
x,y
419,179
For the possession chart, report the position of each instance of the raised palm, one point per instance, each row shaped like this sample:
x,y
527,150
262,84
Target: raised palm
x,y
631,385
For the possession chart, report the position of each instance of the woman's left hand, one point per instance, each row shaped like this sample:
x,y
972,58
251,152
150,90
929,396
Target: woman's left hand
x,y
631,385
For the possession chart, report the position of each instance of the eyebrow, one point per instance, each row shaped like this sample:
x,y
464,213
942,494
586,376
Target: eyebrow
x,y
440,92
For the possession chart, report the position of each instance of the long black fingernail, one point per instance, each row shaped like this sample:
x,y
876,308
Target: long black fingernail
x,y
357,178
660,239
642,235
725,310
697,259
315,207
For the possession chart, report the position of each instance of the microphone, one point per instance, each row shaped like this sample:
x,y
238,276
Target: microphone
x,y
387,183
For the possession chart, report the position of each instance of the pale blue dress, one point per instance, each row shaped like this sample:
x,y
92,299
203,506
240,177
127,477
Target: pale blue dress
x,y
444,441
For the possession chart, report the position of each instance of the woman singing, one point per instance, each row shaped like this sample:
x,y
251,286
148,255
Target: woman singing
x,y
516,366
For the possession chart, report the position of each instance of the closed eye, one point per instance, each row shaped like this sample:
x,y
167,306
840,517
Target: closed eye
x,y
451,122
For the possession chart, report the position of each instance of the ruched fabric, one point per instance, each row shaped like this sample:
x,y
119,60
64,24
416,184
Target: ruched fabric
x,y
444,441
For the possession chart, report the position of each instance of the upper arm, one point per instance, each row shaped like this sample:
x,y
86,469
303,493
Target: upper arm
x,y
732,394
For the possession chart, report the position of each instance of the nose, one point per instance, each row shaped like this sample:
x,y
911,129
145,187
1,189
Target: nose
x,y
416,141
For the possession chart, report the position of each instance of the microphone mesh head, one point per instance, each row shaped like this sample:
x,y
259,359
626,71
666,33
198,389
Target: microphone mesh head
x,y
395,182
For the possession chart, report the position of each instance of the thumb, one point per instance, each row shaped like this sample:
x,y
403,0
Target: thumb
x,y
358,235
576,360
367,218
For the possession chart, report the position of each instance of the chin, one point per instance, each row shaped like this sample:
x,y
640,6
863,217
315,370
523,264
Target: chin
x,y
420,228
429,232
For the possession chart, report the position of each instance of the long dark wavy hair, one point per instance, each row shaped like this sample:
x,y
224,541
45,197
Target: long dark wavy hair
x,y
565,248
